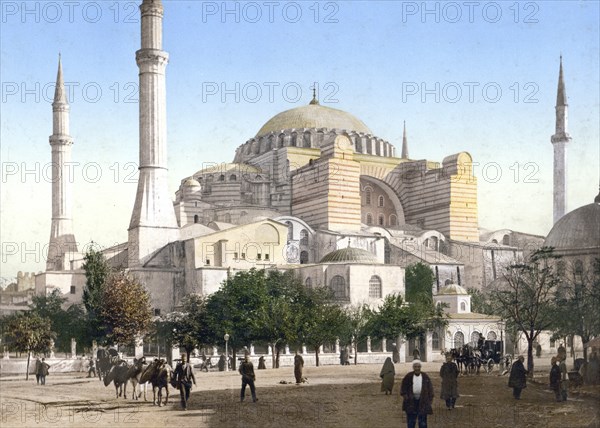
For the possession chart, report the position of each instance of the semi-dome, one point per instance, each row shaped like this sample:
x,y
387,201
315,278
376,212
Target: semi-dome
x,y
578,229
350,255
313,115
191,182
452,289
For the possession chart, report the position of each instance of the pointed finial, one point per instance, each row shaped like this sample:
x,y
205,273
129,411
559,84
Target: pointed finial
x,y
404,154
60,95
314,98
348,242
561,95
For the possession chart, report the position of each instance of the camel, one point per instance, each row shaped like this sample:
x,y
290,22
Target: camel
x,y
119,374
135,374
159,375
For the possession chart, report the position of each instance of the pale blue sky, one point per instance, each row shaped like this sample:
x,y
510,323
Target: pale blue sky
x,y
372,56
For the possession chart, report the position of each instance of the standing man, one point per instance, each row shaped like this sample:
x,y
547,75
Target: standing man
x,y
247,371
43,371
555,378
184,376
38,369
518,377
449,375
92,367
298,366
564,376
417,391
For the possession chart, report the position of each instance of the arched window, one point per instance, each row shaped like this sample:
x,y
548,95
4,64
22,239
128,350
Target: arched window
x,y
233,177
494,241
381,220
369,219
380,201
221,177
308,282
338,287
492,335
196,218
433,243
475,338
375,287
463,307
303,237
227,218
290,230
435,341
368,197
506,240
303,257
459,339
448,281
393,220
578,267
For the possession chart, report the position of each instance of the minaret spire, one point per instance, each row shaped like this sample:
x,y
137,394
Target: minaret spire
x,y
559,140
62,239
404,143
314,98
153,224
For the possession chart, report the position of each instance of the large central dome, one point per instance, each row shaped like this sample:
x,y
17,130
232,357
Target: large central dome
x,y
313,116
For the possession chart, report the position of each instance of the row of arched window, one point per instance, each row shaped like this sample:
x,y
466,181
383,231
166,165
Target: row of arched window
x,y
393,220
380,199
459,338
303,234
337,284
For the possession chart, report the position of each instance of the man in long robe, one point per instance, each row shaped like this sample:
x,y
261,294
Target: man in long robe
x,y
387,374
449,375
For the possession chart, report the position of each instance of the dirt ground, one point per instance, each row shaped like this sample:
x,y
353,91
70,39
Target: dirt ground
x,y
335,396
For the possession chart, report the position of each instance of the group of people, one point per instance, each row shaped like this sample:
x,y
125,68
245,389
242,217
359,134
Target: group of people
x,y
41,371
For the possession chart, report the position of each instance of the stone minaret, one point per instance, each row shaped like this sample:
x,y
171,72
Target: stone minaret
x,y
153,223
404,144
62,239
560,139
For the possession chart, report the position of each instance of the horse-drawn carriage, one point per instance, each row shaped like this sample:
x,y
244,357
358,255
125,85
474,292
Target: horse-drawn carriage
x,y
470,359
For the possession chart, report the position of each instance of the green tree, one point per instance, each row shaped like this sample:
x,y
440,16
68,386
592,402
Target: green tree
x,y
410,319
237,309
526,297
356,327
578,298
67,324
189,329
97,272
29,333
481,302
419,280
125,309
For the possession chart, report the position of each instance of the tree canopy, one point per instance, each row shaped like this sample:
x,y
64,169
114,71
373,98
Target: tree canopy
x,y
419,280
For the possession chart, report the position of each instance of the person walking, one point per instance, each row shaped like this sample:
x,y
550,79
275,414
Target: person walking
x,y
298,367
184,376
449,375
38,369
261,363
518,377
247,371
555,378
564,376
387,374
417,391
91,368
395,354
42,371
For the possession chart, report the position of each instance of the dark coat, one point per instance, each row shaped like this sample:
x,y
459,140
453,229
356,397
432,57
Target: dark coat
x,y
555,377
426,395
449,375
518,375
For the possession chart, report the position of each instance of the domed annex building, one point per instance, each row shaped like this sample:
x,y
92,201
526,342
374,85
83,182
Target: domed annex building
x,y
315,191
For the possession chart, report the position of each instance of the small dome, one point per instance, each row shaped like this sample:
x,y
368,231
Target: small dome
x,y
313,116
452,289
350,255
190,182
578,229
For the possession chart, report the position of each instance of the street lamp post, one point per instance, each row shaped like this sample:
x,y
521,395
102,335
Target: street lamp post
x,y
226,337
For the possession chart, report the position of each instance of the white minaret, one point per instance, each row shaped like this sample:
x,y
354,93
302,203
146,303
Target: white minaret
x,y
62,239
153,223
560,139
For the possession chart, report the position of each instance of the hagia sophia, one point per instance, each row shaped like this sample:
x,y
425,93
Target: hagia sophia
x,y
315,191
